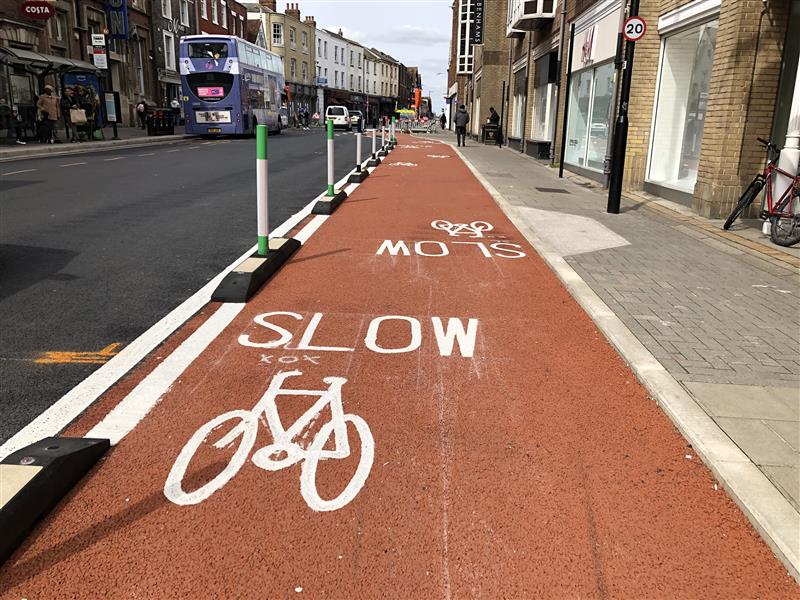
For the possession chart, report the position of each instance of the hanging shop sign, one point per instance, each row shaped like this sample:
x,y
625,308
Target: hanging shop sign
x,y
117,19
477,22
37,9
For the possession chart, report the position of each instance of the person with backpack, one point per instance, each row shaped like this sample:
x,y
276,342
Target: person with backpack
x,y
461,119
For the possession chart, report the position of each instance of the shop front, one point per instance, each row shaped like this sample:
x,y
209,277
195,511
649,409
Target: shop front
x,y
592,88
686,59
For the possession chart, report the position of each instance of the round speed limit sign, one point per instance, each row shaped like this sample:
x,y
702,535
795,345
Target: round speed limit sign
x,y
634,28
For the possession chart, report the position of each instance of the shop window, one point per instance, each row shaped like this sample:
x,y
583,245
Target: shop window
x,y
277,34
517,114
681,104
589,116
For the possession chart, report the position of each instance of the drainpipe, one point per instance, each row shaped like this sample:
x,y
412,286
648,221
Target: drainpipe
x,y
523,146
789,159
558,83
508,96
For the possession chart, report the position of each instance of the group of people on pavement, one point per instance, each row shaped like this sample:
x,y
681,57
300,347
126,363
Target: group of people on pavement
x,y
75,108
461,120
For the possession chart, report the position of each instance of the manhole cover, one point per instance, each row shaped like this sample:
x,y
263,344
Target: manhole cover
x,y
552,190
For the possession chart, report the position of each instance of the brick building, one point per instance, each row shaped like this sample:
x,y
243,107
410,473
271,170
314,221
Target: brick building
x,y
294,40
709,77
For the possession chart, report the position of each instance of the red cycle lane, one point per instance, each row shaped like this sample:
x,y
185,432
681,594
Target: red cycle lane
x,y
414,407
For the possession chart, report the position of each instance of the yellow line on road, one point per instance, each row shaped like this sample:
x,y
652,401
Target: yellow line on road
x,y
64,358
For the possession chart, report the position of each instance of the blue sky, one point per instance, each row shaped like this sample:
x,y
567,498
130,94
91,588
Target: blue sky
x,y
415,32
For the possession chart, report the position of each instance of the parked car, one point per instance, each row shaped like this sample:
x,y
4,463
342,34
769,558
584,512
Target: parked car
x,y
284,117
357,120
340,116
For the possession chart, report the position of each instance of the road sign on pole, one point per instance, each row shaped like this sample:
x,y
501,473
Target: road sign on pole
x,y
621,128
634,28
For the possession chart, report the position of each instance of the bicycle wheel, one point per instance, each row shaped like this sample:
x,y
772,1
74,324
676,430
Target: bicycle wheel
x,y
173,486
745,200
308,474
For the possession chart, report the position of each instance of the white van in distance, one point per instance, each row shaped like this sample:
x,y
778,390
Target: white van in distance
x,y
340,116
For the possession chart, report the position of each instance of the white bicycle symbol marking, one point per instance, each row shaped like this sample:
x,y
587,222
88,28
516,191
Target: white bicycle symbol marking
x,y
265,458
476,228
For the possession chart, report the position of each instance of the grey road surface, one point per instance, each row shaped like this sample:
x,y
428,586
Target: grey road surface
x,y
95,248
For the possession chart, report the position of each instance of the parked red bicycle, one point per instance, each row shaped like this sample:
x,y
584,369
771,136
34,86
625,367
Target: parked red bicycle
x,y
783,214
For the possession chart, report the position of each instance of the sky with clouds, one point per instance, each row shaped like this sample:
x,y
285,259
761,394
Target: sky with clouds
x,y
415,32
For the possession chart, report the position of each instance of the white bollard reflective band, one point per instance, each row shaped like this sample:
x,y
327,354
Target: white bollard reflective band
x,y
373,143
358,152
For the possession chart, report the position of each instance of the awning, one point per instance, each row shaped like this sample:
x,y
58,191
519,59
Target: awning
x,y
42,64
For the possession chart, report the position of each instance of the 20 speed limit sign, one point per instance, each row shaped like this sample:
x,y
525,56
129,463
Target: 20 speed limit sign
x,y
634,28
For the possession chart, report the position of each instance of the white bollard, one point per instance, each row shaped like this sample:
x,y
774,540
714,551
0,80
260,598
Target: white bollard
x,y
358,152
373,143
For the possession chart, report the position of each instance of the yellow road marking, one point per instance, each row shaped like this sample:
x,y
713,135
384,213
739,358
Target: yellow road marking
x,y
64,358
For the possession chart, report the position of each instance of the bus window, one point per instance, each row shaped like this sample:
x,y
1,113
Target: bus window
x,y
215,50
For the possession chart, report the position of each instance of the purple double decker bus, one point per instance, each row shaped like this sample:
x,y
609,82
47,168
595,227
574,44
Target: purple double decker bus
x,y
229,85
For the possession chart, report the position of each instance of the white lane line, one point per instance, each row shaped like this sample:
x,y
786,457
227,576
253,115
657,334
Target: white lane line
x,y
60,414
193,147
310,228
126,415
114,158
171,151
17,172
72,164
148,154
207,143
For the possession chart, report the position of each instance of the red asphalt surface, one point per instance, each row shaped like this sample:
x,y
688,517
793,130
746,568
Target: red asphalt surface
x,y
538,467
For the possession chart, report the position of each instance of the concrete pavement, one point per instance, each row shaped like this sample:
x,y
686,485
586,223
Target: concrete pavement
x,y
717,313
470,433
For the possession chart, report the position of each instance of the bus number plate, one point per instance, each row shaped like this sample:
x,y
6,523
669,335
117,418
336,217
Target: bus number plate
x,y
214,130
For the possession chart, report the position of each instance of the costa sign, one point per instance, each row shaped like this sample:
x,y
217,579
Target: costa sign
x,y
37,9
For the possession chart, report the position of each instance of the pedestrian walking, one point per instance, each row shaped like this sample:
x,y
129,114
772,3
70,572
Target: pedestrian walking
x,y
443,120
494,118
461,119
141,113
49,114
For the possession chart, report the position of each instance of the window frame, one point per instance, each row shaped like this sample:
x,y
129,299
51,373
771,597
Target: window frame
x,y
184,4
224,13
279,28
166,4
171,45
214,12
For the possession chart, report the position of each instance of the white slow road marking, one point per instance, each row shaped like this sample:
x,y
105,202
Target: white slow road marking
x,y
114,158
17,172
72,164
126,415
60,414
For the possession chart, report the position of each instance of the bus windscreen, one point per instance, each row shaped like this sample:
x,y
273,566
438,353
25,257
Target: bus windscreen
x,y
214,50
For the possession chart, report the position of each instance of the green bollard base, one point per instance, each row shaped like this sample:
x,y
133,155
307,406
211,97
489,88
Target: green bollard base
x,y
252,273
